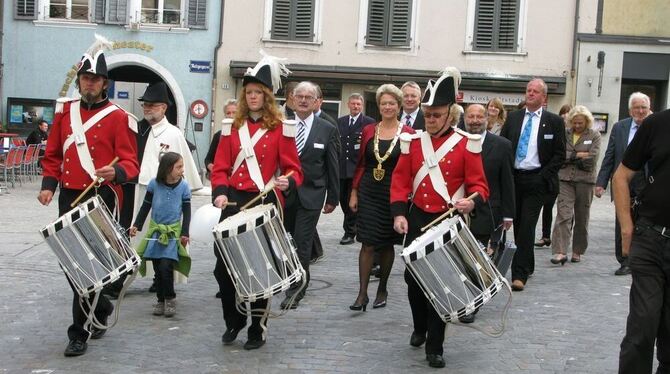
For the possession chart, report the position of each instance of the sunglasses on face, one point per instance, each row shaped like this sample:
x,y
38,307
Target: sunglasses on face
x,y
434,115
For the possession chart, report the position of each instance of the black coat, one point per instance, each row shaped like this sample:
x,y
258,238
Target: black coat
x,y
350,139
419,122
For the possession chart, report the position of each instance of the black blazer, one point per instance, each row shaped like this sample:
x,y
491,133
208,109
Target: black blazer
x,y
350,139
550,142
498,160
327,117
616,147
419,122
320,166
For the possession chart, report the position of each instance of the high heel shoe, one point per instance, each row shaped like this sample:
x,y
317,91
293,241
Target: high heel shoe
x,y
379,302
576,258
543,242
559,259
358,307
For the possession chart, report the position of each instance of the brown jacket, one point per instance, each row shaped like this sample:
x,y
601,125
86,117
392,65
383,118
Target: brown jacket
x,y
580,169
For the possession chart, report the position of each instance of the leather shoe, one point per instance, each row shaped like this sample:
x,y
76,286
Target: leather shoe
x,y
75,348
254,344
417,340
518,285
347,240
623,270
153,288
230,335
376,271
467,318
435,361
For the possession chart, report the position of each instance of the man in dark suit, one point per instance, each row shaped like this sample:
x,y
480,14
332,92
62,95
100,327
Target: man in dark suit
x,y
412,115
350,128
318,146
538,140
622,134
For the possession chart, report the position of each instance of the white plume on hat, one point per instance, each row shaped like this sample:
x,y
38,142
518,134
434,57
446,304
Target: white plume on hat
x,y
100,44
451,71
277,69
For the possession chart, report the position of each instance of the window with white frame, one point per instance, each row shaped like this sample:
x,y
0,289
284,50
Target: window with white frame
x,y
389,23
66,9
496,26
292,20
162,12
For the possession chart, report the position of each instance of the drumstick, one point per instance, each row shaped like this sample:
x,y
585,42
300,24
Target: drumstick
x,y
265,191
230,203
447,213
99,180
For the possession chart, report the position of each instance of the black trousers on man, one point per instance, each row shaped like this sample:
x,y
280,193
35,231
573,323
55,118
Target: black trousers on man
x,y
530,189
349,223
301,222
649,315
547,213
77,330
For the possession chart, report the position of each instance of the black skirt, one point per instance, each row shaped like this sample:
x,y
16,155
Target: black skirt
x,y
374,222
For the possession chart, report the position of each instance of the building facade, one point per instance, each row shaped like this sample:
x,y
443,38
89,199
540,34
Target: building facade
x,y
153,40
355,45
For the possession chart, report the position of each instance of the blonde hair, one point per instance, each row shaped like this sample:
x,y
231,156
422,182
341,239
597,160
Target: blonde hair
x,y
455,113
580,110
389,89
502,114
272,116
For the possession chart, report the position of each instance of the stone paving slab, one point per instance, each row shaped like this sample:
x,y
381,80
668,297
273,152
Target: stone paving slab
x,y
570,319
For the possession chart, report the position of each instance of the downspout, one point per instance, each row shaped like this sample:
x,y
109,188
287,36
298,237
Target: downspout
x,y
216,65
574,41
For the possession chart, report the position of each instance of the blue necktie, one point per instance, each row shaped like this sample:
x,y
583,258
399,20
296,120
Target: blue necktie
x,y
522,148
300,137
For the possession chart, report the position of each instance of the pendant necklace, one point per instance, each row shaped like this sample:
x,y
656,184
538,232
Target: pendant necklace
x,y
378,172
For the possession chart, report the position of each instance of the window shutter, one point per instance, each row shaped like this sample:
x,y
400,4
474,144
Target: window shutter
x,y
378,11
507,30
25,9
99,11
304,20
281,20
400,23
197,14
117,12
484,23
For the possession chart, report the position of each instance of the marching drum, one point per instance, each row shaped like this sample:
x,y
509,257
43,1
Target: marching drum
x,y
452,269
90,246
259,255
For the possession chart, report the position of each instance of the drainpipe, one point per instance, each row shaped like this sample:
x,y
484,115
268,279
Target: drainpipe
x,y
216,64
574,40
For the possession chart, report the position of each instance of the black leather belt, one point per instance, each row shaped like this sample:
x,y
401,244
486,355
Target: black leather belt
x,y
664,231
522,171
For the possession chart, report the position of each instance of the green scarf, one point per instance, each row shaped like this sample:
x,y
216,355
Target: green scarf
x,y
166,232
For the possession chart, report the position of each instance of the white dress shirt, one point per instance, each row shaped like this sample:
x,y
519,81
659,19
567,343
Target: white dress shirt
x,y
532,160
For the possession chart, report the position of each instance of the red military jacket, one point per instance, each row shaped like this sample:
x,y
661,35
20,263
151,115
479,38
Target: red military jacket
x,y
459,167
112,136
273,151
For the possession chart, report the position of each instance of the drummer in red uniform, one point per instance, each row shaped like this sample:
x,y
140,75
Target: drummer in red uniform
x,y
438,167
241,181
87,134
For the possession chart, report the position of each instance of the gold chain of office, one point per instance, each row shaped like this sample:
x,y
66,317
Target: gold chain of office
x,y
378,172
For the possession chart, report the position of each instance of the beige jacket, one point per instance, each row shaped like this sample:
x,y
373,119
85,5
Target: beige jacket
x,y
580,169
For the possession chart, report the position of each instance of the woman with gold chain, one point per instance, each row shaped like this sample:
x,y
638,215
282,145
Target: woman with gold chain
x,y
378,155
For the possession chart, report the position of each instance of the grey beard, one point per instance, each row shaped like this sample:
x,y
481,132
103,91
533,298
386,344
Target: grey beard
x,y
89,98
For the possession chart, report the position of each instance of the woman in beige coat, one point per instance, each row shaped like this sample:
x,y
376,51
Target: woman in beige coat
x,y
577,179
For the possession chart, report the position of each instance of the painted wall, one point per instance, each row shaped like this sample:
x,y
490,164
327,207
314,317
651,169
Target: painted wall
x,y
37,60
636,18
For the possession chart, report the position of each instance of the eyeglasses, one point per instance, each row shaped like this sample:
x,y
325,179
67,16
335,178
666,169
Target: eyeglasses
x,y
434,115
303,97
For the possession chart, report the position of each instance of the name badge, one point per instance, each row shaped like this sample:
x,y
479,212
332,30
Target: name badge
x,y
318,146
357,146
588,141
548,136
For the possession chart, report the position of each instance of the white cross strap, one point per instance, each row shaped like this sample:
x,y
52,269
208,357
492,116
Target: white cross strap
x,y
247,154
431,165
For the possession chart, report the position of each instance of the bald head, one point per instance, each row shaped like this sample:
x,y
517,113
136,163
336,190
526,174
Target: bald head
x,y
475,119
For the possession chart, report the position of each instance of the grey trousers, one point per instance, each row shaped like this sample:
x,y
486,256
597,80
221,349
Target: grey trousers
x,y
572,217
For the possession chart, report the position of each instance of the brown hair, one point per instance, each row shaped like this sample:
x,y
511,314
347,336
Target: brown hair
x,y
165,166
272,116
502,114
564,109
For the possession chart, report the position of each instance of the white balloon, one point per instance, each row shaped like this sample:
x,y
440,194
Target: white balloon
x,y
203,221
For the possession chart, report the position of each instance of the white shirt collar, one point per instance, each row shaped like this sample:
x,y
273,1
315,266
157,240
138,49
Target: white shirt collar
x,y
413,114
355,118
308,121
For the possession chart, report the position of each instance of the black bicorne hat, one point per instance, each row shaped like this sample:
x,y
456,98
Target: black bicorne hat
x,y
94,64
268,72
262,76
156,93
443,90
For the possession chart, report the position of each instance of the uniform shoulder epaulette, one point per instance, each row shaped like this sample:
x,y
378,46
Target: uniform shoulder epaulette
x,y
406,139
288,128
474,140
226,126
60,103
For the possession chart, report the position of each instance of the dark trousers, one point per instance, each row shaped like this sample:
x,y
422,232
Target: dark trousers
x,y
649,315
232,317
349,223
77,331
547,210
164,270
301,224
424,316
617,243
530,189
317,248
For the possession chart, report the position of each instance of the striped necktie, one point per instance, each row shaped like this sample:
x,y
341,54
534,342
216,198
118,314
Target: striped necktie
x,y
300,137
408,120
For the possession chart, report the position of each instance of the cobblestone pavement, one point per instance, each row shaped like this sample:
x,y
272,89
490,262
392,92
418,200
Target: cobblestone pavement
x,y
570,319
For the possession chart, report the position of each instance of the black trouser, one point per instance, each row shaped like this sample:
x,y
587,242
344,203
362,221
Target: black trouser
x,y
231,314
349,223
164,270
317,248
649,310
530,190
424,316
301,224
77,331
547,216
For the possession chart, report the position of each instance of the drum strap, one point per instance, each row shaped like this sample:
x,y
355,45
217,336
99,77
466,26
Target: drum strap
x,y
247,154
78,136
431,166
